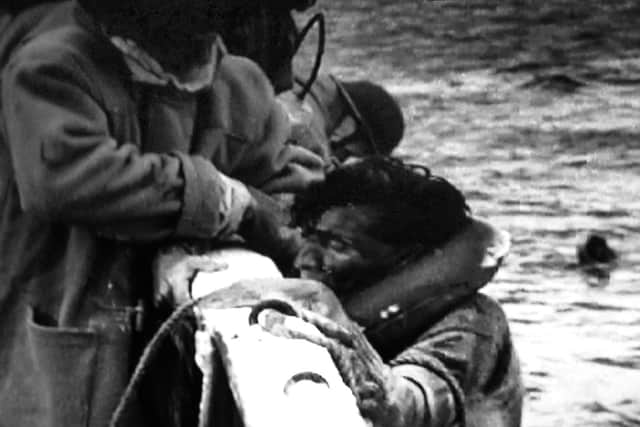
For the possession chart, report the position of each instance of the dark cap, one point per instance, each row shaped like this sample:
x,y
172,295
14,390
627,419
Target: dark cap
x,y
377,112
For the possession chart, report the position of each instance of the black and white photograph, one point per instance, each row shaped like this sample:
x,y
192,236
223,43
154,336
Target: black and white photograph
x,y
346,213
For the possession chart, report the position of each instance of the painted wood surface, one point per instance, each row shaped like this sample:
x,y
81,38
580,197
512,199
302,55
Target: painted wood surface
x,y
278,381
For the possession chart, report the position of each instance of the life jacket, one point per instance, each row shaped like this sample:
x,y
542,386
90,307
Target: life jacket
x,y
431,285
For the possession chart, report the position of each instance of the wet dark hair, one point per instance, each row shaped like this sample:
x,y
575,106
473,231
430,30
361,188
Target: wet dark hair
x,y
416,207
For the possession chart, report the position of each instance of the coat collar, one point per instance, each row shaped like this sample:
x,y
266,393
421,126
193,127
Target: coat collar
x,y
145,69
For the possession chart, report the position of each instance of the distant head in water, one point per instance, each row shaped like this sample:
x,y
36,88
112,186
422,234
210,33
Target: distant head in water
x,y
595,250
596,260
371,215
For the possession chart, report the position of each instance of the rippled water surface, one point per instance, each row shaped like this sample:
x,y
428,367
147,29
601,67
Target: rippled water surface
x,y
533,109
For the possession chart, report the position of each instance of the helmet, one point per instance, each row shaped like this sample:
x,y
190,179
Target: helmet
x,y
378,114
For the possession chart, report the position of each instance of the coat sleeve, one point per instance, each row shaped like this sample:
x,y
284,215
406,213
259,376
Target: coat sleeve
x,y
461,358
69,169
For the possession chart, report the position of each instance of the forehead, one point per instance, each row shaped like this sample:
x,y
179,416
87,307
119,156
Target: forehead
x,y
348,220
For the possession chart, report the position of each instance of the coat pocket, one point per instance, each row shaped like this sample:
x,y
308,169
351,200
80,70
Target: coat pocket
x,y
81,373
65,361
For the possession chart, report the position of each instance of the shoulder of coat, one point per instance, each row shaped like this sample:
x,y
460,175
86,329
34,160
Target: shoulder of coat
x,y
245,75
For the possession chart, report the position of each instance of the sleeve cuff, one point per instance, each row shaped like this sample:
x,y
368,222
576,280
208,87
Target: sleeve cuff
x,y
439,406
203,190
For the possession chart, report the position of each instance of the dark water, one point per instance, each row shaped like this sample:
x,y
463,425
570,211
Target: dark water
x,y
533,109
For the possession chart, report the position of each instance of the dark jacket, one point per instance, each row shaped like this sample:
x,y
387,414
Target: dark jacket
x,y
95,171
469,349
430,323
463,359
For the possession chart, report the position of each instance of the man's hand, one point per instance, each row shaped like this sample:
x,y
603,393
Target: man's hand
x,y
262,227
361,367
303,168
384,398
174,270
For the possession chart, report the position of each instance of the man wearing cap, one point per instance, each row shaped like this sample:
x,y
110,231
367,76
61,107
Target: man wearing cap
x,y
344,119
362,118
338,119
125,125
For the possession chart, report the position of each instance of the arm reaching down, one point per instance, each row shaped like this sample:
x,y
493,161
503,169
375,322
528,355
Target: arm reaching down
x,y
389,396
70,169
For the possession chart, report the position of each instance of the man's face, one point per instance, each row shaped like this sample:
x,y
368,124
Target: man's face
x,y
339,249
347,141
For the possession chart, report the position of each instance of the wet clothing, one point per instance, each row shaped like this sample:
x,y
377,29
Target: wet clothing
x,y
468,348
96,170
426,320
429,322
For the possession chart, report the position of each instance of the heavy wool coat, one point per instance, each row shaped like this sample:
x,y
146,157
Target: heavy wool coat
x,y
95,171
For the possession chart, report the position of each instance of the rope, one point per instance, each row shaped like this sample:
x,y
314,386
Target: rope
x,y
154,345
317,18
148,355
371,389
340,357
205,417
